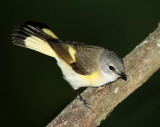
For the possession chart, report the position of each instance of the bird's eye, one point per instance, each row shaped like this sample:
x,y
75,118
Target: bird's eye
x,y
111,68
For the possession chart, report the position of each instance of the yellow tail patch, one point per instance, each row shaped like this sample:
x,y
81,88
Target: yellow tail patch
x,y
39,45
49,32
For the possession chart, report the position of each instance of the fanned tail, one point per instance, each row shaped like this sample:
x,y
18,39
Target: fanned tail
x,y
34,35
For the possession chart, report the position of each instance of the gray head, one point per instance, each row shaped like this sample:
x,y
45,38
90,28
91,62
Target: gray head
x,y
111,66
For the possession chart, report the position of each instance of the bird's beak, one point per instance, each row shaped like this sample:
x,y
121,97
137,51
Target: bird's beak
x,y
123,76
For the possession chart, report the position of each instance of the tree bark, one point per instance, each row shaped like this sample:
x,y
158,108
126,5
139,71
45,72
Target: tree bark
x,y
140,64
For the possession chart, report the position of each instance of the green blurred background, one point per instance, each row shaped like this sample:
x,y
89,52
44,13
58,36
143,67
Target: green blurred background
x,y
32,90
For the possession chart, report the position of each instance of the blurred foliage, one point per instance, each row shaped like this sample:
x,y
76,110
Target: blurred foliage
x,y
32,89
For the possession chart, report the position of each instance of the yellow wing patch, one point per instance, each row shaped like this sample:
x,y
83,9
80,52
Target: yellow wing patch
x,y
72,52
49,32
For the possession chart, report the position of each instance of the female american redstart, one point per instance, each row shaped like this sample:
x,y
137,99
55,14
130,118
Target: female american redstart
x,y
82,65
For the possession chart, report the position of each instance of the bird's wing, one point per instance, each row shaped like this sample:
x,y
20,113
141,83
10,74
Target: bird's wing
x,y
87,58
39,37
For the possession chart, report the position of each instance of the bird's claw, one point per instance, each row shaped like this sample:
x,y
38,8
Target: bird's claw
x,y
86,105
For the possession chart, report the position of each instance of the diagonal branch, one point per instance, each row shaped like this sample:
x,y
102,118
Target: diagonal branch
x,y
140,64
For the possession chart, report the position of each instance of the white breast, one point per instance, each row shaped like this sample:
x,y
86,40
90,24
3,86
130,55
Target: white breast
x,y
77,80
74,79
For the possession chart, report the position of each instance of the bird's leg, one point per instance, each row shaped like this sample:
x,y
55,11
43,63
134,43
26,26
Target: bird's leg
x,y
83,101
109,85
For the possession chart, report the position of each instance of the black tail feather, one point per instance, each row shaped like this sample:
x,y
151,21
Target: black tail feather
x,y
27,29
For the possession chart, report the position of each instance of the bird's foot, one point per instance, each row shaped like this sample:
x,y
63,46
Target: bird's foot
x,y
86,105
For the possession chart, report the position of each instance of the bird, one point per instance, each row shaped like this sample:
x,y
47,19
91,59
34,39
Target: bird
x,y
82,65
